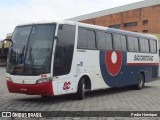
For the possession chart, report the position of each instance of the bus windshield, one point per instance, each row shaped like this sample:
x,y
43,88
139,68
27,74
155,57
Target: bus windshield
x,y
31,49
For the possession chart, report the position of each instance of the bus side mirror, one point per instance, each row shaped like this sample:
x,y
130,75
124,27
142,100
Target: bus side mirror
x,y
9,40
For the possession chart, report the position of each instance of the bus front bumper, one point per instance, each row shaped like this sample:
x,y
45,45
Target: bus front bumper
x,y
31,89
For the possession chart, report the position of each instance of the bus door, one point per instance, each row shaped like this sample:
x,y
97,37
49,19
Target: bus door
x,y
63,58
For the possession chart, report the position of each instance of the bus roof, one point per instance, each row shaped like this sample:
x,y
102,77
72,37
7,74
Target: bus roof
x,y
50,22
131,33
112,30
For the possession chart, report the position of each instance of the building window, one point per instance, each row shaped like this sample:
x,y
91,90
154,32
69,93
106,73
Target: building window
x,y
118,26
130,24
145,22
145,31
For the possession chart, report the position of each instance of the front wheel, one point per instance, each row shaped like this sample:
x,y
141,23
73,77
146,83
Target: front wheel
x,y
140,84
81,89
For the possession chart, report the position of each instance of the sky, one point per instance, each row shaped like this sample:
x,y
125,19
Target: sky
x,y
16,12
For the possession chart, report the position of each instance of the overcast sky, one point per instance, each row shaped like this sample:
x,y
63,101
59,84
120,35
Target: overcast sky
x,y
15,12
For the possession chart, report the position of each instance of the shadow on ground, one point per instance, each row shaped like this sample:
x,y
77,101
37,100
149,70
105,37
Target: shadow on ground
x,y
72,97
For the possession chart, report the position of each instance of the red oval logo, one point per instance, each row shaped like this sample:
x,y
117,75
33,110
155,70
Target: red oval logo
x,y
113,62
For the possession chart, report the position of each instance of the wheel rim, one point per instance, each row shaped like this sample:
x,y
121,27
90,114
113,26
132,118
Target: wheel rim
x,y
141,82
83,90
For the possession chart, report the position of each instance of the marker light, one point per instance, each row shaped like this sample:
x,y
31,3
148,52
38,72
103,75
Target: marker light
x,y
8,79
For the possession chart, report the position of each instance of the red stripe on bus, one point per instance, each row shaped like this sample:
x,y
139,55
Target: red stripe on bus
x,y
142,64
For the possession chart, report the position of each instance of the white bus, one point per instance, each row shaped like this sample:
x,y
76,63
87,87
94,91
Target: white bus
x,y
50,59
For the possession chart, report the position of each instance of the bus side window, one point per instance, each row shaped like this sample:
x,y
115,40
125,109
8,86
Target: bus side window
x,y
142,45
101,42
124,43
91,38
82,38
130,43
117,42
86,38
136,44
109,43
153,46
147,45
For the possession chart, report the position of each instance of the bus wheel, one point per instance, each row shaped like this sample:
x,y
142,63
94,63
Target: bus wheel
x,y
81,89
140,84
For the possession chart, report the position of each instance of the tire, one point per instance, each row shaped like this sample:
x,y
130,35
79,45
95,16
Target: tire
x,y
140,84
81,89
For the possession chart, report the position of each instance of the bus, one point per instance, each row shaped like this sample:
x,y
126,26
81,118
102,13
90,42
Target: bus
x,y
4,46
67,57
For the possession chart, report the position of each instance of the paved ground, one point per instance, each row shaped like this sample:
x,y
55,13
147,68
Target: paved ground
x,y
120,99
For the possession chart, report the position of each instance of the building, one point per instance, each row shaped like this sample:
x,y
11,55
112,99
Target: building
x,y
143,16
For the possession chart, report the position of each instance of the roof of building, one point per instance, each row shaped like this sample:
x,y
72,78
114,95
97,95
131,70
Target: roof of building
x,y
137,5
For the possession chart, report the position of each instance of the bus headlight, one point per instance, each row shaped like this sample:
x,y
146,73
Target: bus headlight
x,y
8,79
43,80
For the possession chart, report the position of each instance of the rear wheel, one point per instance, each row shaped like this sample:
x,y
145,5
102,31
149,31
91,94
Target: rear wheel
x,y
140,84
81,89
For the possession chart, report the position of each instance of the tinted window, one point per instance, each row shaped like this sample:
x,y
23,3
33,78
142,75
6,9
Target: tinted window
x,y
130,24
123,43
145,22
142,45
64,50
101,43
147,45
118,26
153,46
82,38
130,43
117,42
86,38
91,39
108,37
31,50
136,44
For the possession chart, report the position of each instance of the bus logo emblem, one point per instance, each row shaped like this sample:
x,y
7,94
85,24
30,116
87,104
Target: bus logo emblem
x,y
66,86
113,62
